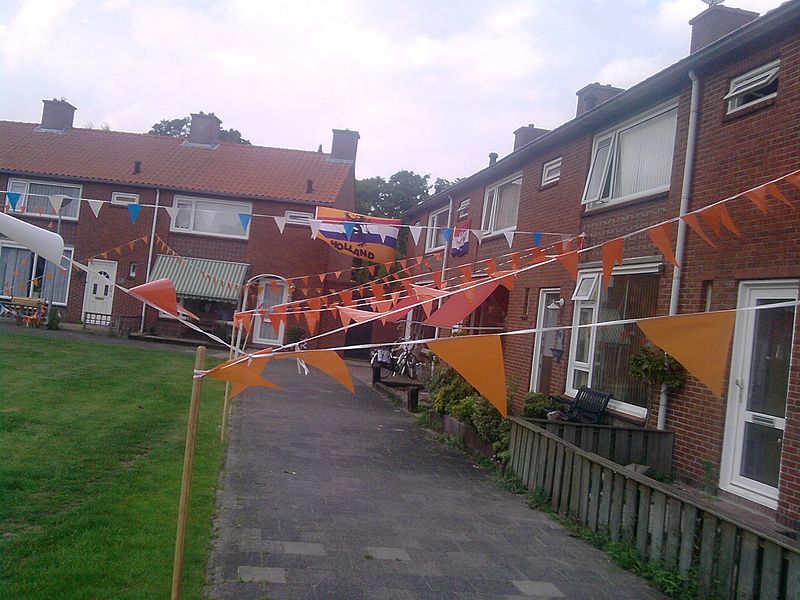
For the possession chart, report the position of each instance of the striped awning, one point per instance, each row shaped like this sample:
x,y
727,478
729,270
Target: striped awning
x,y
202,277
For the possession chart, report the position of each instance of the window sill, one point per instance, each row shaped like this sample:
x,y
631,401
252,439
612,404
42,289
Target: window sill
x,y
498,233
222,236
747,110
43,216
617,204
548,185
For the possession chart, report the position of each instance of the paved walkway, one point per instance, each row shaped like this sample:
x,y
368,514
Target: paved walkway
x,y
326,495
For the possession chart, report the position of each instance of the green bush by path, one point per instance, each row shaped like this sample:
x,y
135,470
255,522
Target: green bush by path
x,y
91,439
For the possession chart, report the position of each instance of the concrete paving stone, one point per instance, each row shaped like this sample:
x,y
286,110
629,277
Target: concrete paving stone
x,y
385,553
238,590
541,589
389,594
254,573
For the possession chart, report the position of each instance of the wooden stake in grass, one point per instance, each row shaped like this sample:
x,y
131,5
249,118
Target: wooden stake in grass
x,y
188,464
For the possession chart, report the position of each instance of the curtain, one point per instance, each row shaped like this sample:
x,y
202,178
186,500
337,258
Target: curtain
x,y
39,199
507,205
645,154
16,265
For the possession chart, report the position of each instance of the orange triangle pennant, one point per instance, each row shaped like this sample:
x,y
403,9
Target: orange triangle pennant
x,y
377,290
570,262
276,319
479,360
437,279
516,261
758,197
466,270
660,236
774,191
700,342
242,375
315,303
327,361
692,221
491,266
613,252
312,320
347,297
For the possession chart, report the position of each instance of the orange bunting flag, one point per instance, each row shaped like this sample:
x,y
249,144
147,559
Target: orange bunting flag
x,y
660,236
466,270
315,303
491,266
160,294
312,320
338,274
718,215
347,297
774,191
372,269
242,375
758,197
243,320
377,290
613,252
506,279
700,342
353,314
382,306
570,262
403,263
692,221
428,307
794,180
479,360
327,361
322,277
395,296
277,319
515,261
437,279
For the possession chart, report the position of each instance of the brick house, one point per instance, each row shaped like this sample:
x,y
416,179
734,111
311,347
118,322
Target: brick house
x,y
621,165
200,187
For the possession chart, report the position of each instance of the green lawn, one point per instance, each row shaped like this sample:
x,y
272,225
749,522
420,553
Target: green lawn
x,y
91,453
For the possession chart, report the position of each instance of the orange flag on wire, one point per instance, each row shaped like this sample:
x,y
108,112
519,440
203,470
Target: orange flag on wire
x,y
327,361
377,290
491,266
437,279
718,215
242,375
276,319
570,262
347,297
692,221
774,191
613,252
479,360
758,196
312,320
466,270
243,320
700,342
660,236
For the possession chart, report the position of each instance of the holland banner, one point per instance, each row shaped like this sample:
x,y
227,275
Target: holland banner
x,y
461,239
368,238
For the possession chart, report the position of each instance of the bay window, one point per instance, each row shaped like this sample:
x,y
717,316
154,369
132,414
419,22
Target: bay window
x,y
600,356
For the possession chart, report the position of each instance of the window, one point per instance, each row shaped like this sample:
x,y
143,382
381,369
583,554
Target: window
x,y
753,87
213,217
296,217
551,172
600,356
435,236
26,274
270,292
35,199
634,160
501,204
124,198
463,210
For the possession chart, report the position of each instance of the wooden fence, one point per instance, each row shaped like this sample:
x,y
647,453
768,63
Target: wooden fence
x,y
623,445
731,559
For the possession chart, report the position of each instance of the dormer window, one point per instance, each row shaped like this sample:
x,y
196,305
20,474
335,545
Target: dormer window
x,y
753,87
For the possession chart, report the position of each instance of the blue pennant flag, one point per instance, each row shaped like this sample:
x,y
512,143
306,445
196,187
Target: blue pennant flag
x,y
349,228
134,210
447,232
13,198
537,239
245,219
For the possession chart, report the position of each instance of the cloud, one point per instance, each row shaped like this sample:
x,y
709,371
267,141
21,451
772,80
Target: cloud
x,y
28,32
629,70
679,12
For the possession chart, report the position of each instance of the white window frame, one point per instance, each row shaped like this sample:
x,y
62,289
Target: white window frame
x,y
35,257
124,198
610,138
433,229
298,217
490,204
592,301
463,209
24,199
246,206
750,82
277,341
551,171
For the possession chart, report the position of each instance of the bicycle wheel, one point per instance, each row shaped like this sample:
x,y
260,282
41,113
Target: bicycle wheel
x,y
411,366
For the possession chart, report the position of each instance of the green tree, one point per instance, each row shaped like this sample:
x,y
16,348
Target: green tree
x,y
180,128
380,197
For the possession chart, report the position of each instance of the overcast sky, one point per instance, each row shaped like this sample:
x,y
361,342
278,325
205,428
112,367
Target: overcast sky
x,y
432,86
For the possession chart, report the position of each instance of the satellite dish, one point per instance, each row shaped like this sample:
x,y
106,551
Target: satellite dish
x,y
713,2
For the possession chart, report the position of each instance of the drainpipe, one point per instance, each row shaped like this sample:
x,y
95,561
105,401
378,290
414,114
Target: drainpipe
x,y
448,244
680,244
150,254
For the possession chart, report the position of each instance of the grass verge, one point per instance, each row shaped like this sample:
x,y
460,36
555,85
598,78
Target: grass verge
x,y
92,438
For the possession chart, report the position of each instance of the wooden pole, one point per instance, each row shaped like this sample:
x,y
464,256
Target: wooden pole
x,y
225,409
188,464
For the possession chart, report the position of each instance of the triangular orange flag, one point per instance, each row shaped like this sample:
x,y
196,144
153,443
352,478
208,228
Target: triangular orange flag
x,y
347,297
315,303
276,319
515,261
242,375
491,266
312,320
718,215
377,290
693,222
700,342
159,294
506,278
660,236
403,263
327,361
774,191
758,196
428,307
479,360
793,180
338,274
322,277
613,252
466,270
570,262
437,279
371,269
382,306
354,314
243,320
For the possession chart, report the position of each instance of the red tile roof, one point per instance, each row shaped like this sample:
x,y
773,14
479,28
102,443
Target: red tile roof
x,y
228,169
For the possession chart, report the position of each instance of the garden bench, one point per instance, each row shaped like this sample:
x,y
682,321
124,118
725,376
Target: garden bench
x,y
412,389
588,405
30,311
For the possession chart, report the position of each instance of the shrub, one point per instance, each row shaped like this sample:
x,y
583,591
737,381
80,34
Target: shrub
x,y
488,422
446,388
537,405
463,409
295,334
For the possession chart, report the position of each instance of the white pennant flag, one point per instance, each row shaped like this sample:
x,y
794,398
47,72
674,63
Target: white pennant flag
x,y
380,230
95,205
415,230
315,225
509,234
280,222
172,211
57,200
478,233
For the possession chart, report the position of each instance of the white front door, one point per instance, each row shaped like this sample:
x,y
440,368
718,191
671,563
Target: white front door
x,y
270,293
546,342
759,382
98,296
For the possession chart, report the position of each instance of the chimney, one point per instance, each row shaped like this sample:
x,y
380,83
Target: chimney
x,y
716,22
492,158
57,115
344,145
594,94
204,129
527,133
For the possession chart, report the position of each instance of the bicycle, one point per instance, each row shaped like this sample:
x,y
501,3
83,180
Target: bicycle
x,y
399,359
